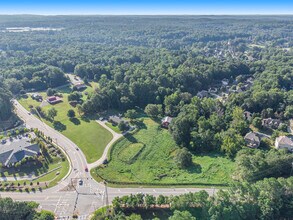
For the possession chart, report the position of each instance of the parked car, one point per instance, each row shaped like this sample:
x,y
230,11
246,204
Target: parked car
x,y
80,182
86,169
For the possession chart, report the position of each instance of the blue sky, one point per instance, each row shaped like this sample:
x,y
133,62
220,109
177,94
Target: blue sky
x,y
131,7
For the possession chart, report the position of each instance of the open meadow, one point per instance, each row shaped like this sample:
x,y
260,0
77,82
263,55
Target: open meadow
x,y
146,157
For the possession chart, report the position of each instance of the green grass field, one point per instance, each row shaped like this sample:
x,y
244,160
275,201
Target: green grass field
x,y
114,128
154,163
91,137
52,178
129,153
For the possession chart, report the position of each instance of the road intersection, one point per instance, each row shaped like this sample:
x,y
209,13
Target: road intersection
x,y
65,200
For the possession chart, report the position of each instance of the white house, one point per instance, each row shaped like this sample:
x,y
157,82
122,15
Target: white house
x,y
284,142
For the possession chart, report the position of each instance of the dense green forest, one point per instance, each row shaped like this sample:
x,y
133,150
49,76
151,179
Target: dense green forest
x,y
163,61
10,209
5,105
142,60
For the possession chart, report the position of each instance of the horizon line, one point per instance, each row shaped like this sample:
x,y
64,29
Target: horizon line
x,y
179,14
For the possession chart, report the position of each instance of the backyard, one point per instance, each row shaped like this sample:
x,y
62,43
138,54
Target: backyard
x,y
94,136
146,157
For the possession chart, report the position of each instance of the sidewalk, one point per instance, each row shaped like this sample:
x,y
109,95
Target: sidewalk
x,y
116,136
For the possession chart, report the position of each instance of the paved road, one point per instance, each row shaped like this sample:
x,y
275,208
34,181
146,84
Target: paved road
x,y
81,199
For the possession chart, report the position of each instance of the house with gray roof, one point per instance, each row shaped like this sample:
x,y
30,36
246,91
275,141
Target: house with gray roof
x,y
115,120
202,94
15,150
252,140
271,123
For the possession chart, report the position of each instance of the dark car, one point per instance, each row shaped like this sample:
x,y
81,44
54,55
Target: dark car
x,y
86,169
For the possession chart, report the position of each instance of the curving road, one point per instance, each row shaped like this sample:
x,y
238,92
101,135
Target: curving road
x,y
116,136
80,199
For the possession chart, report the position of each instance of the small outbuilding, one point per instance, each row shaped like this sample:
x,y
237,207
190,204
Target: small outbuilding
x,y
79,86
37,97
54,100
166,121
225,82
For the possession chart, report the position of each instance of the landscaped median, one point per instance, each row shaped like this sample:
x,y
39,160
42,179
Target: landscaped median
x,y
146,157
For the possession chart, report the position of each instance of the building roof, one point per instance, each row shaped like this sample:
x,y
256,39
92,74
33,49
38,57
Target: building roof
x,y
167,119
17,149
283,140
202,93
79,85
271,122
251,136
247,115
54,99
36,95
115,119
252,139
225,82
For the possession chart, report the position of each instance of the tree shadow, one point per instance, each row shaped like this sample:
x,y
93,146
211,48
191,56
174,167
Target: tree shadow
x,y
194,168
59,126
157,120
75,121
130,138
85,118
139,124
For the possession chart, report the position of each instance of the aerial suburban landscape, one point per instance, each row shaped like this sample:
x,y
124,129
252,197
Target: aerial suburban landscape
x,y
146,116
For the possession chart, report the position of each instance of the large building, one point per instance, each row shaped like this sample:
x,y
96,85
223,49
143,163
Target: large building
x,y
14,150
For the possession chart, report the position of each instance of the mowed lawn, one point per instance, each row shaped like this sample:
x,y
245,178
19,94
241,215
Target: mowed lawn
x,y
91,137
147,157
